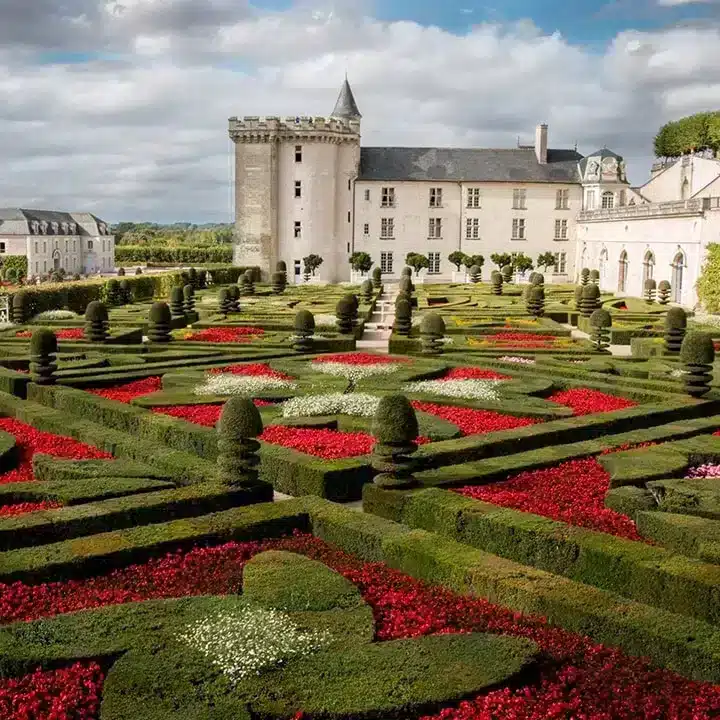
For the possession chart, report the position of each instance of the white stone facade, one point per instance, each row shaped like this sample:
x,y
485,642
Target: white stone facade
x,y
75,242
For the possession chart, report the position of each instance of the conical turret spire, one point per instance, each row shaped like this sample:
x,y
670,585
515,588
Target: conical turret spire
x,y
346,107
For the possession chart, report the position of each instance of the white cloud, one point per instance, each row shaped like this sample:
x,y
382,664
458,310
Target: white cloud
x,y
142,132
673,3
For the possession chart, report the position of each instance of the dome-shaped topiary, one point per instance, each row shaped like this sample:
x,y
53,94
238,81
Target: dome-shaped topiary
x,y
507,272
304,329
345,314
377,277
663,291
697,354
600,323
403,317
676,317
138,271
96,322
224,301
159,324
594,275
675,328
395,428
601,318
20,307
352,298
367,290
278,281
43,351
304,320
126,292
475,274
238,426
432,330
121,272
649,288
537,279
496,280
189,298
535,304
177,302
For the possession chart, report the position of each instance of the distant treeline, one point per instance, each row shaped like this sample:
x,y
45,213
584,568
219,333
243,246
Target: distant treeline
x,y
173,255
177,234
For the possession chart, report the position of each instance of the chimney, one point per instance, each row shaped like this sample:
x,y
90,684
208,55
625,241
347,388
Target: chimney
x,y
541,143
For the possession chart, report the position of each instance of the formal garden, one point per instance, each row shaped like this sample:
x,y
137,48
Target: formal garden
x,y
220,501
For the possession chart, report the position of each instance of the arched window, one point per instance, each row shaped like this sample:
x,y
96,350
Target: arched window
x,y
608,200
648,267
678,268
685,189
623,272
603,267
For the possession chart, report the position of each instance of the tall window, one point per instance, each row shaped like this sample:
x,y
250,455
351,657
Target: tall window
x,y
298,153
518,229
434,259
590,200
366,229
386,261
297,229
648,267
298,188
2,247
435,197
561,227
623,198
562,199
367,195
623,272
560,263
472,228
36,247
519,198
473,197
608,200
678,268
388,197
435,228
387,227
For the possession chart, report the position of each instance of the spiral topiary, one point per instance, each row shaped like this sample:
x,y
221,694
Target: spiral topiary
x,y
189,298
234,296
600,324
20,307
649,289
159,323
590,300
663,292
177,302
377,277
43,353
536,300
403,317
121,272
345,313
406,285
224,301
112,293
475,273
238,426
96,322
304,329
279,282
395,428
432,331
248,283
496,281
126,292
367,290
594,276
697,355
507,273
584,276
675,328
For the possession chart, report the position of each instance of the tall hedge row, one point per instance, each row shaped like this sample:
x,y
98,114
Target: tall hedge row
x,y
182,254
708,286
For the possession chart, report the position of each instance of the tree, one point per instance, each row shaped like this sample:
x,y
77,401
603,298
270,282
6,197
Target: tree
x,y
471,260
521,262
417,262
361,262
457,258
501,259
691,134
311,263
546,260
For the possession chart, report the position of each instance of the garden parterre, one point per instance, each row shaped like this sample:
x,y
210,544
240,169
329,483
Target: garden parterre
x,y
569,493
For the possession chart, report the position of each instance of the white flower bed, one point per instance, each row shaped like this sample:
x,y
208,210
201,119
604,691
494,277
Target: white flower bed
x,y
466,389
354,372
705,319
245,642
519,360
357,404
56,315
230,384
678,373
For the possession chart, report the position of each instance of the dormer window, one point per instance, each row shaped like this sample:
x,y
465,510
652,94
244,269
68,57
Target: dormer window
x,y
43,228
35,227
64,227
55,227
73,228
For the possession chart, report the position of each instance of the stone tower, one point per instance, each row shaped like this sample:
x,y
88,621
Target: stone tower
x,y
294,186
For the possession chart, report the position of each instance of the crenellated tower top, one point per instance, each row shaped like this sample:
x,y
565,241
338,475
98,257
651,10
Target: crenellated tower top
x,y
253,129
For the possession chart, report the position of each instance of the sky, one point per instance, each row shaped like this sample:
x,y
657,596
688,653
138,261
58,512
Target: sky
x,y
120,107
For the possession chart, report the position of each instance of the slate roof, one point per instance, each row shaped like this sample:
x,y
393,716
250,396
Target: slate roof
x,y
602,154
17,221
470,165
346,107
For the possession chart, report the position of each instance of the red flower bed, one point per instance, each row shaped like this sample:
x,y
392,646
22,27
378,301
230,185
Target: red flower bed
x,y
126,392
60,333
29,441
226,334
359,358
22,508
473,373
518,339
584,401
472,421
573,492
320,442
201,414
576,680
251,370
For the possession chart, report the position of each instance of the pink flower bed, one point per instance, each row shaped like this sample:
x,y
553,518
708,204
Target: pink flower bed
x,y
707,470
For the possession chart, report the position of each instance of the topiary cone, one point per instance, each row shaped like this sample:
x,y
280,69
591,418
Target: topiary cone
x,y
112,292
377,277
43,352
507,272
600,323
177,302
189,298
248,283
536,300
403,317
304,329
475,273
159,323
650,287
278,281
345,312
234,297
594,275
224,301
432,331
126,292
496,280
20,307
675,328
395,428
697,355
584,276
96,322
238,426
406,285
367,290
663,292
590,299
